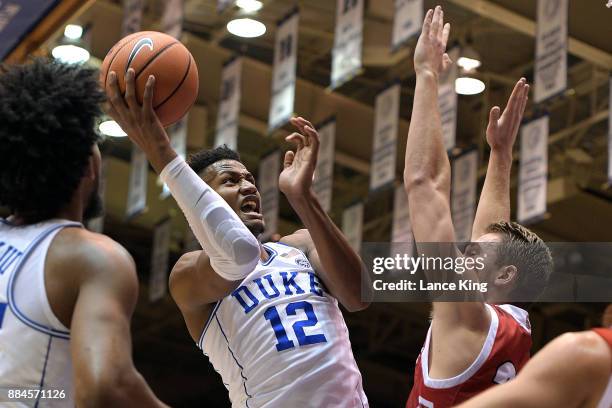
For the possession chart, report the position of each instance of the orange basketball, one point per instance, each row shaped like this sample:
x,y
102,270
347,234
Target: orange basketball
x,y
160,55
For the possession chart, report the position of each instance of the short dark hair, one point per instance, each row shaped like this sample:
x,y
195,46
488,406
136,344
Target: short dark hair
x,y
48,111
529,254
204,158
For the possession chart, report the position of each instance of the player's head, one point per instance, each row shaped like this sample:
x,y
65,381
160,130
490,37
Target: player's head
x,y
517,263
49,158
222,169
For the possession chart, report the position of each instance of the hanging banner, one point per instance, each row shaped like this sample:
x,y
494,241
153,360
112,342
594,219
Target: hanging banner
x,y
283,74
222,5
269,170
348,39
178,140
97,224
550,71
18,18
463,194
324,172
229,104
401,230
352,225
533,169
172,19
447,101
610,136
386,122
158,279
137,188
132,16
407,21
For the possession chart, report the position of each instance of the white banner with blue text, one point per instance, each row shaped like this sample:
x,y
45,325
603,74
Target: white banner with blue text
x,y
283,73
550,73
533,171
386,121
229,104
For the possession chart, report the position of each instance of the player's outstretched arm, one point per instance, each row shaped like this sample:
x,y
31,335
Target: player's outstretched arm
x,y
101,345
232,250
329,252
427,172
571,372
494,204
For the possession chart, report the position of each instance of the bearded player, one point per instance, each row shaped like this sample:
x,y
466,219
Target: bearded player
x,y
470,346
266,315
573,371
66,294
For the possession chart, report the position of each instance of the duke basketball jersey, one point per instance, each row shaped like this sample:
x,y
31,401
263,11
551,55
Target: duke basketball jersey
x,y
279,340
34,344
504,352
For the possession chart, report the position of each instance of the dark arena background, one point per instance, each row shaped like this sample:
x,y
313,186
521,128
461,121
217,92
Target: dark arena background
x,y
387,337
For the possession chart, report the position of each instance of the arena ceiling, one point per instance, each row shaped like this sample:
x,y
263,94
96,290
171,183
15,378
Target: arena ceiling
x,y
386,337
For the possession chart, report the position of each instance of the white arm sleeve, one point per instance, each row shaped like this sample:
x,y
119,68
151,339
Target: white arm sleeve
x,y
231,247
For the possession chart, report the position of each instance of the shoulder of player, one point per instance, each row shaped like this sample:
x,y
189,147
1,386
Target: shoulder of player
x,y
86,253
184,267
587,351
300,239
183,274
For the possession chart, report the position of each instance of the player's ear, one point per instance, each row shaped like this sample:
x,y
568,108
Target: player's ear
x,y
506,275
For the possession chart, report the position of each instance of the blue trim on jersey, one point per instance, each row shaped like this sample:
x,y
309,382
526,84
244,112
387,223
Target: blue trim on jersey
x,y
234,357
292,247
10,288
44,372
210,318
271,255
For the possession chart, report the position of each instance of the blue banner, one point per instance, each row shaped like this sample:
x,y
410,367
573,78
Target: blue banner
x,y
18,18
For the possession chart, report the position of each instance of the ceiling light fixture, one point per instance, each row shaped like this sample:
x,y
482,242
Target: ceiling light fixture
x,y
246,27
469,60
111,128
73,31
249,6
70,54
469,86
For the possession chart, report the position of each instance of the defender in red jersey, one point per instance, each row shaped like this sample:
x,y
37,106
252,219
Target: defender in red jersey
x,y
573,371
470,345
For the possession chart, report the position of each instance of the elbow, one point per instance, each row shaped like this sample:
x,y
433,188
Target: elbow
x,y
415,179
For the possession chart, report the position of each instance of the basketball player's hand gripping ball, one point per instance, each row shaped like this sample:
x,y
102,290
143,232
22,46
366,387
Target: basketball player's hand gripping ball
x,y
151,80
298,168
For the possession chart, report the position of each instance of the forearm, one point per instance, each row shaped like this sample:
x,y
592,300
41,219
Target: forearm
x,y
425,157
342,266
494,203
127,390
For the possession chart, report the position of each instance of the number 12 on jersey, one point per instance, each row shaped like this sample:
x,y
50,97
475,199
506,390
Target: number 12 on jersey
x,y
284,343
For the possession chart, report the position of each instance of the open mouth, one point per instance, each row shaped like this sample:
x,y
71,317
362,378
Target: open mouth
x,y
250,205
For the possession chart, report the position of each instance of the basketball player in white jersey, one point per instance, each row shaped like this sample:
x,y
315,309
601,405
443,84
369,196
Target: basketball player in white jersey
x,y
266,315
573,371
66,294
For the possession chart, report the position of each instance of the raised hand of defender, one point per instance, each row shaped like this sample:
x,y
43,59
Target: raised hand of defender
x,y
299,166
502,130
429,54
140,122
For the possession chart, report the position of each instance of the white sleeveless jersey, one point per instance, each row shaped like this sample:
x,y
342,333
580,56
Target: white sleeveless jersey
x,y
279,340
34,344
